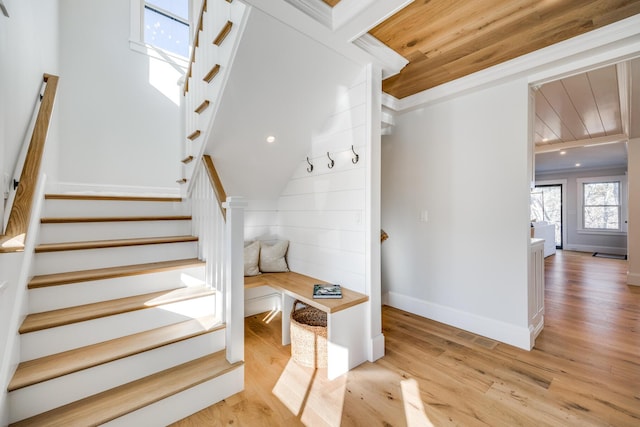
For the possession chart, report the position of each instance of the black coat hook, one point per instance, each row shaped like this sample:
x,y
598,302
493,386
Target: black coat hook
x,y
356,157
310,168
330,165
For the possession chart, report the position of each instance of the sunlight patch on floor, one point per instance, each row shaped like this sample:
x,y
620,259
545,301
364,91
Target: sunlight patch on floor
x,y
292,386
413,407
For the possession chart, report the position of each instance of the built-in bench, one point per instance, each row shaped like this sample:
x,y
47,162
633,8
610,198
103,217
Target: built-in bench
x,y
300,287
347,327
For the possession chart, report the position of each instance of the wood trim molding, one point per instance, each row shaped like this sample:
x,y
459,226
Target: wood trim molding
x,y
15,234
216,183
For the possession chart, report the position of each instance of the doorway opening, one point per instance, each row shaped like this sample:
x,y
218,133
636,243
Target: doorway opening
x,y
546,205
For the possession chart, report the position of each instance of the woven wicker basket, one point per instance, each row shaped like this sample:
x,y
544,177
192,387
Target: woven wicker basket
x,y
308,336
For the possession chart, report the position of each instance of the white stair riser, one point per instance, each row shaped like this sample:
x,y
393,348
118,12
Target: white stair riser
x,y
73,294
181,405
100,208
89,231
42,397
62,338
87,259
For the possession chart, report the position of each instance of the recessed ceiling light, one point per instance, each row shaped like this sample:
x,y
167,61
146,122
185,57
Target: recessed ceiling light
x,y
577,165
545,139
271,138
562,153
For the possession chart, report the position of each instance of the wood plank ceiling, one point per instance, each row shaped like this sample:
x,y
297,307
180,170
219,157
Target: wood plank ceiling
x,y
580,107
447,39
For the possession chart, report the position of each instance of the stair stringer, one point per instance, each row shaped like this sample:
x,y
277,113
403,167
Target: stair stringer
x,y
198,91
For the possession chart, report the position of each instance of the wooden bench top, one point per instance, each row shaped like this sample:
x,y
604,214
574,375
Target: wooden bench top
x,y
300,287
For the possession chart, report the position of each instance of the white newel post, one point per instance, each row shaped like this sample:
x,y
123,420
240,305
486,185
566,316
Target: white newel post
x,y
234,289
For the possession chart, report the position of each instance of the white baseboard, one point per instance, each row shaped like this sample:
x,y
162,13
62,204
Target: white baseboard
x,y
114,190
534,331
490,328
633,279
377,348
590,248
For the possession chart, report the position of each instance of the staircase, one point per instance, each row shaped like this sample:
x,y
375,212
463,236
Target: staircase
x,y
122,327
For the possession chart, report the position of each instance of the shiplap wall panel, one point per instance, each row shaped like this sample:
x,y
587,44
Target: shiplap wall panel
x,y
260,220
322,212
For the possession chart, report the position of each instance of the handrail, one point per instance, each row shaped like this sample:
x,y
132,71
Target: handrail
x,y
216,183
15,233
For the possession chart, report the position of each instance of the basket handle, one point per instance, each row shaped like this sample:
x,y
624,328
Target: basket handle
x,y
295,303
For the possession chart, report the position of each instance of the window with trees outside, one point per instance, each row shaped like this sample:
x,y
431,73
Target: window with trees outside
x,y
603,205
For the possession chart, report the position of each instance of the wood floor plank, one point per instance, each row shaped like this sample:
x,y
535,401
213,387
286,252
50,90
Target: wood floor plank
x,y
65,316
101,244
583,371
111,272
56,365
114,403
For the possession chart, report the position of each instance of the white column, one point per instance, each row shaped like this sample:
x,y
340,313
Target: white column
x,y
633,206
234,289
372,212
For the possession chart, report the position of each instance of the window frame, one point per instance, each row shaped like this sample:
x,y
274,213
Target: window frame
x,y
136,36
622,182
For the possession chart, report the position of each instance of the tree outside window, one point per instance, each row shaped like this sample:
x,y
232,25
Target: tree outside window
x,y
601,206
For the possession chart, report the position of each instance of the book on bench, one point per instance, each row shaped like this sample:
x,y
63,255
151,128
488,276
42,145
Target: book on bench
x,y
327,291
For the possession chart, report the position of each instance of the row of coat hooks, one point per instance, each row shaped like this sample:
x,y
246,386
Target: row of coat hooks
x,y
331,164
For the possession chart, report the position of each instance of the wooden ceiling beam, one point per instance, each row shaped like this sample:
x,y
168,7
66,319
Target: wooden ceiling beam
x,y
607,139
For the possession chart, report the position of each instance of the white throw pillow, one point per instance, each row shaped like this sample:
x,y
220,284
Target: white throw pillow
x,y
251,257
272,257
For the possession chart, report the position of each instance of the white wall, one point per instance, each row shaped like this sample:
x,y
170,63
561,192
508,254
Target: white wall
x,y
28,49
581,241
463,161
119,121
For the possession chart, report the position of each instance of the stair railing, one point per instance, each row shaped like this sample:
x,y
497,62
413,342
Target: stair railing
x,y
27,170
218,221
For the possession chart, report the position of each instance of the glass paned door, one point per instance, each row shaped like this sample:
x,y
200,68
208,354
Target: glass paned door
x,y
546,205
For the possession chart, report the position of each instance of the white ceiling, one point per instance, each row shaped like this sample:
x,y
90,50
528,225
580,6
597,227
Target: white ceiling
x,y
588,117
283,84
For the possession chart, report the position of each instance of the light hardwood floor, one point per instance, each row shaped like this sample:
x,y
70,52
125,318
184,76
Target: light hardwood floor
x,y
584,370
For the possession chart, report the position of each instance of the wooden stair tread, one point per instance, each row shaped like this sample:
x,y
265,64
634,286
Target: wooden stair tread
x,y
111,272
224,32
111,197
203,106
68,220
212,73
56,365
65,316
108,405
194,135
101,244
